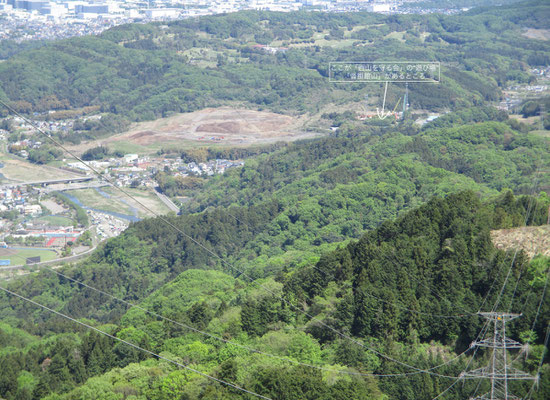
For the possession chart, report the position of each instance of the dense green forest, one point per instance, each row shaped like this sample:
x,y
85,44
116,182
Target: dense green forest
x,y
392,290
139,72
350,266
289,220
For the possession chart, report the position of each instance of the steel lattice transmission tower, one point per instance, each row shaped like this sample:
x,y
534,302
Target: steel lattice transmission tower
x,y
499,371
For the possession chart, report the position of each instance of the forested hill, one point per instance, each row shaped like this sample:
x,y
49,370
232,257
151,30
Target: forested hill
x,y
319,262
144,71
407,289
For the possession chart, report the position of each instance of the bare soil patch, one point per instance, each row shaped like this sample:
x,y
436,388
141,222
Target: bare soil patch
x,y
54,207
532,239
220,126
541,34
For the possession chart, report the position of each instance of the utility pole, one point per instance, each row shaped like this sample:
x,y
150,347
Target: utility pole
x,y
499,371
406,99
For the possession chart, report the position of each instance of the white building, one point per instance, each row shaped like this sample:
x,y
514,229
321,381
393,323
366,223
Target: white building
x,y
130,158
379,7
33,209
162,12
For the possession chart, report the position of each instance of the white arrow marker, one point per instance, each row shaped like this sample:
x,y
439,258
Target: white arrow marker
x,y
381,114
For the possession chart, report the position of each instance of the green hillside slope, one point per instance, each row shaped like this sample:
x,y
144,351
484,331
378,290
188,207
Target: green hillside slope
x,y
141,72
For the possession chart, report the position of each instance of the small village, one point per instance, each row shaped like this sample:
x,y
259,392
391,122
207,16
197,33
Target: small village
x,y
41,217
30,216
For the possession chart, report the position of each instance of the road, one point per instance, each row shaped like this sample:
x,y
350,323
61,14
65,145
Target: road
x,y
169,203
59,187
52,181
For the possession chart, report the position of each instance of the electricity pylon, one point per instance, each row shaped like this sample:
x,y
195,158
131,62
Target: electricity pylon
x,y
406,99
499,371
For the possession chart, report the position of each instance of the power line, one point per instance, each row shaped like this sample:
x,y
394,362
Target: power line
x,y
499,371
462,377
333,277
546,340
212,253
363,292
248,348
134,345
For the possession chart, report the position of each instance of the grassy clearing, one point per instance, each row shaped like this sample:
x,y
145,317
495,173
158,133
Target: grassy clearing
x,y
146,197
128,147
396,35
541,132
118,202
21,170
18,256
57,220
91,198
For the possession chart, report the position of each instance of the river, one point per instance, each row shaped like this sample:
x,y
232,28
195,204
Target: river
x,y
132,218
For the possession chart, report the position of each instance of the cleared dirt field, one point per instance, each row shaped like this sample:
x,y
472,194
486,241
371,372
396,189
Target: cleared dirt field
x,y
532,239
211,126
541,34
54,207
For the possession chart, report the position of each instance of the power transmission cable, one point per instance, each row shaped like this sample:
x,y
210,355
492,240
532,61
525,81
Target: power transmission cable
x,y
535,184
540,302
437,294
530,288
465,314
248,348
477,388
362,291
414,311
212,253
526,219
460,377
527,295
449,388
134,345
333,277
544,350
528,211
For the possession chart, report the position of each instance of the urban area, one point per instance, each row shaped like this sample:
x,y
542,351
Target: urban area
x,y
22,20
